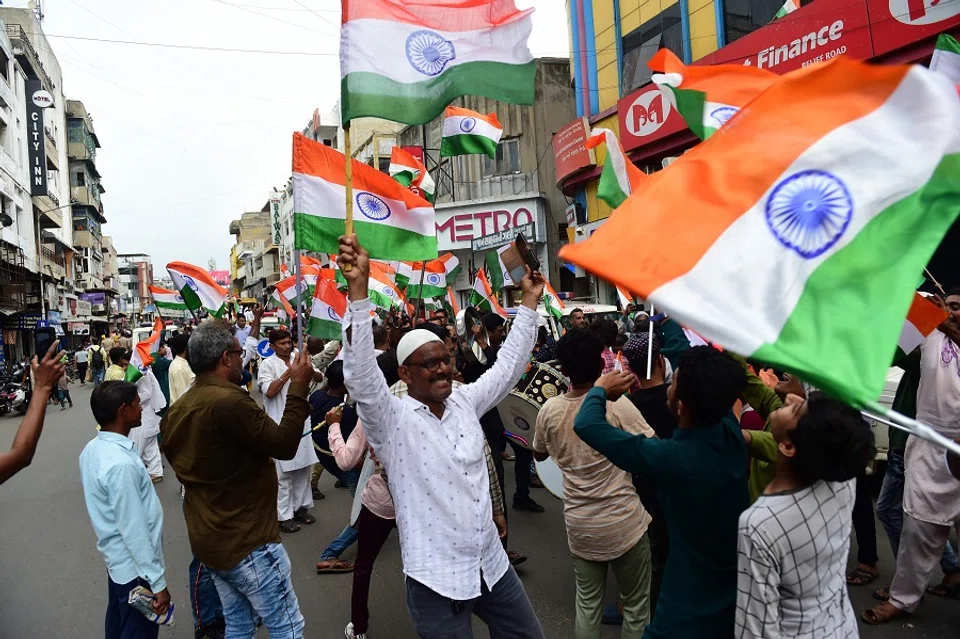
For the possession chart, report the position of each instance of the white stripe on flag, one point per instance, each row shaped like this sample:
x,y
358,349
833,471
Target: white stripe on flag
x,y
453,125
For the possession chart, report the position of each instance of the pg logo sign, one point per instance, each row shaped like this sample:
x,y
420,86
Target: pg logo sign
x,y
648,113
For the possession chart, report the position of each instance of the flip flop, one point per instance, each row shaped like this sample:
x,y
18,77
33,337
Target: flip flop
x,y
336,566
881,594
881,614
861,577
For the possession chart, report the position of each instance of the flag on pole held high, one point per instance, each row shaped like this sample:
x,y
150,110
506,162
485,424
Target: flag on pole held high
x,y
329,308
285,293
450,302
403,272
383,293
552,301
144,353
619,177
411,173
922,319
428,279
406,61
197,288
707,96
496,269
391,222
483,297
802,240
467,132
165,298
946,57
451,264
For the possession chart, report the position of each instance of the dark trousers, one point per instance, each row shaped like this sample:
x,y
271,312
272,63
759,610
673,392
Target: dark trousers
x,y
82,372
496,443
505,609
123,621
863,524
659,549
374,531
205,603
521,469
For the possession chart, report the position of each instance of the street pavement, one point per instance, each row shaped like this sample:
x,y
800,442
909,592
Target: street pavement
x,y
53,580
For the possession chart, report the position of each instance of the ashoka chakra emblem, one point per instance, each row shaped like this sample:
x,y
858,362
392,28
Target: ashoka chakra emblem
x,y
179,298
372,206
467,124
429,53
333,314
809,212
433,279
722,115
386,290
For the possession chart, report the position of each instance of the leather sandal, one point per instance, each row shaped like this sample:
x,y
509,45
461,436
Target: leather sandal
x,y
304,517
289,526
882,613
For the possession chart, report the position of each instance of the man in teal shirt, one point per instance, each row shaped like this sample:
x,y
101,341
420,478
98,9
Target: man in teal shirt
x,y
701,480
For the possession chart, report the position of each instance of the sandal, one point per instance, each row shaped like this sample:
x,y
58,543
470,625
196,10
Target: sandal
x,y
882,613
333,565
304,517
289,526
862,577
950,591
515,558
881,594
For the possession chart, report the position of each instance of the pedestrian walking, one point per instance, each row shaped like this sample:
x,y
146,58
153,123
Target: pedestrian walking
x,y
63,391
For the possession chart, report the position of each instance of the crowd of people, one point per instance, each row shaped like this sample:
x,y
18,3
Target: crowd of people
x,y
722,495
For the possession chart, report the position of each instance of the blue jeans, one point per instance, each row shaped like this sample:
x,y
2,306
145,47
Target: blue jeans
x,y
505,609
890,512
98,374
123,621
350,534
204,600
260,586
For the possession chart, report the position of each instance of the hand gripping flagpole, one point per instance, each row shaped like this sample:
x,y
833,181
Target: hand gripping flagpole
x,y
348,186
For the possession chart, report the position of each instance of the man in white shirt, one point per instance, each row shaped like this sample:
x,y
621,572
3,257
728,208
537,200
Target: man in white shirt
x,y
431,443
294,493
243,330
181,375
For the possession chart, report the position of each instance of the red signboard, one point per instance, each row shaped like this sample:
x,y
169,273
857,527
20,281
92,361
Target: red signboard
x,y
415,151
896,23
645,116
808,35
569,153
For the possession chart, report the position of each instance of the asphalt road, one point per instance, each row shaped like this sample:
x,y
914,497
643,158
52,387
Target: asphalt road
x,y
53,581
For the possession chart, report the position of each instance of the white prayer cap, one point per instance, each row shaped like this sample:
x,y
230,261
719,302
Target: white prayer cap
x,y
412,341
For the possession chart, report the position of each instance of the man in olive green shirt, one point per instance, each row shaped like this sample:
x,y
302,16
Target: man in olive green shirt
x,y
221,445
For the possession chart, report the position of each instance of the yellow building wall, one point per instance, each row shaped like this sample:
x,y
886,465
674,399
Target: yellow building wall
x,y
703,28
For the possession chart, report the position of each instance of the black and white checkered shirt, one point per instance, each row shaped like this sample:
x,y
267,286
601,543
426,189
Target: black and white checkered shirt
x,y
793,551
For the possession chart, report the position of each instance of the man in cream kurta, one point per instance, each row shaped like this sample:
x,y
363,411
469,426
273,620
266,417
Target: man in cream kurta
x,y
294,494
144,436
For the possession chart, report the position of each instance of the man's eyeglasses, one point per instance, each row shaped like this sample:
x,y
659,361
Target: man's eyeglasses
x,y
234,351
432,364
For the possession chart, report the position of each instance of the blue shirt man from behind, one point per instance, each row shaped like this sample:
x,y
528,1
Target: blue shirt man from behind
x,y
124,510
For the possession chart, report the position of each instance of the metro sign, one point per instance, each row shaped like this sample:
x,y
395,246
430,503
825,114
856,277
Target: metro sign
x,y
647,115
896,23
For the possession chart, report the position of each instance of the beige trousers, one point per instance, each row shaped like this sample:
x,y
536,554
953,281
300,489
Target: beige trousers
x,y
921,546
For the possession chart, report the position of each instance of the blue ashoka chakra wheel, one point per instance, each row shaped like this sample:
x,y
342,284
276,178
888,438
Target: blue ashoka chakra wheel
x,y
190,282
433,279
809,211
467,124
372,206
721,115
333,314
386,290
179,298
429,53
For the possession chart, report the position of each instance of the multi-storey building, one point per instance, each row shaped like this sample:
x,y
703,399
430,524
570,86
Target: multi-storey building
x,y
136,274
254,258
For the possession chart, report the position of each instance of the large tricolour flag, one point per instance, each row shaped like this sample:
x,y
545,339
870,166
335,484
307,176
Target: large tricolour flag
x,y
467,132
165,298
427,280
144,353
946,57
391,222
329,308
820,242
483,297
922,319
406,61
197,288
619,177
707,96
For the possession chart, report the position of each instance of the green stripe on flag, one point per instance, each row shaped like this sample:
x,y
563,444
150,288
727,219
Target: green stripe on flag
x,y
324,329
815,341
192,300
315,233
494,271
691,105
454,145
369,94
405,178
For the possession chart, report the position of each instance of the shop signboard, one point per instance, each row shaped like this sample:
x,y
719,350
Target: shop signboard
x,y
895,23
95,298
569,151
83,309
645,116
54,317
459,224
28,320
807,35
415,151
496,240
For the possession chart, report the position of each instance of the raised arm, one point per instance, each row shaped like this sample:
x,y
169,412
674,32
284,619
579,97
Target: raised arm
x,y
761,397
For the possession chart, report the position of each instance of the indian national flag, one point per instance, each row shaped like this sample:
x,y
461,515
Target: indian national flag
x,y
483,297
383,293
329,307
392,222
922,319
144,353
406,61
466,132
428,279
450,301
552,301
946,57
820,243
788,7
625,298
707,96
411,173
285,293
403,272
451,265
496,269
619,177
197,288
165,298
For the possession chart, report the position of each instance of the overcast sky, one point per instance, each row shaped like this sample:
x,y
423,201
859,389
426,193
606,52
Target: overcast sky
x,y
192,139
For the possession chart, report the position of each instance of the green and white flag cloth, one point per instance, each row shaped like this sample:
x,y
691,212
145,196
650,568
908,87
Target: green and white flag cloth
x,y
167,299
467,132
497,271
946,57
788,7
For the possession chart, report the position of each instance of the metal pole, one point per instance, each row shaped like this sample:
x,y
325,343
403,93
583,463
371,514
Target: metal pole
x,y
909,425
650,345
298,311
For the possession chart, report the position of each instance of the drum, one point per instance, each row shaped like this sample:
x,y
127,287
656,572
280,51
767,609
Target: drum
x,y
519,409
551,476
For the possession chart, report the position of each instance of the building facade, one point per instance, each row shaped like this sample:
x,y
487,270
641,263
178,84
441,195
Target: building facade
x,y
612,41
135,271
255,256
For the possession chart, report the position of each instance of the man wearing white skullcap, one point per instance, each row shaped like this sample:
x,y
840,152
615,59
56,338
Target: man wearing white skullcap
x,y
431,443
